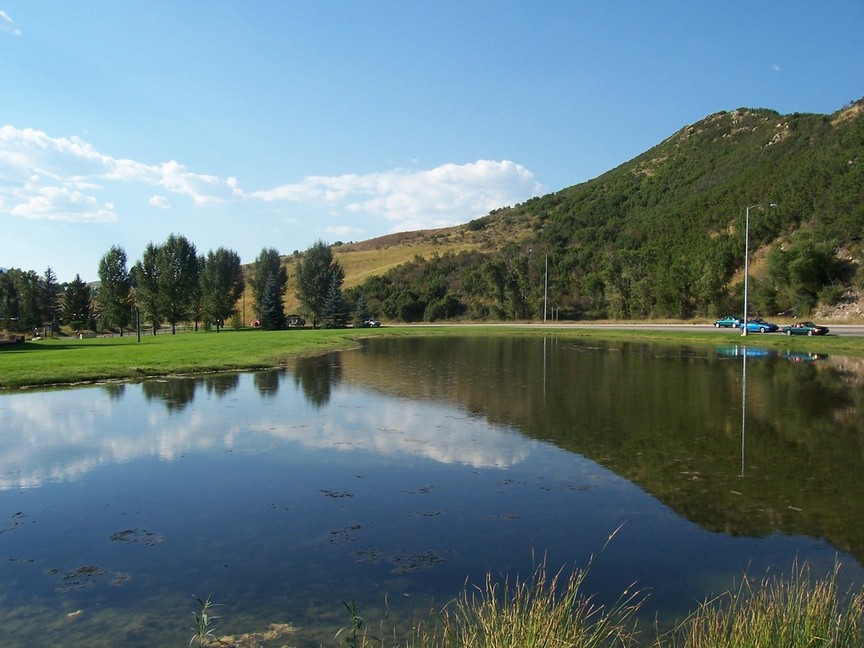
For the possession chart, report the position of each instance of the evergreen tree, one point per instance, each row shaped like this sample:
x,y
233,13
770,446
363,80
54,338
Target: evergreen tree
x,y
114,296
9,311
268,264
272,310
77,308
334,308
361,311
47,296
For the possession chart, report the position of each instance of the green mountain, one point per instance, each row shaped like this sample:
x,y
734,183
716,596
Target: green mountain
x,y
663,235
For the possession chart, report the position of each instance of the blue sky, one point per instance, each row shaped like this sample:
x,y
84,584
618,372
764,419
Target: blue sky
x,y
265,123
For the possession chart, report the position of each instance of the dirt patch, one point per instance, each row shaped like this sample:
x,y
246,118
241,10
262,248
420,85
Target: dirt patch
x,y
849,310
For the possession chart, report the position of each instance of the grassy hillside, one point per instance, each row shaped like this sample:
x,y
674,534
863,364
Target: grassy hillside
x,y
659,236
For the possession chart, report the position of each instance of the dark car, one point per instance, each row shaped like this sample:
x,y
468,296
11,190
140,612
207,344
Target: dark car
x,y
759,325
295,321
805,328
371,323
730,321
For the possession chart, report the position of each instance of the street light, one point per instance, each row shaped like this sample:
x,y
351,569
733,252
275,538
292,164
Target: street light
x,y
545,288
747,257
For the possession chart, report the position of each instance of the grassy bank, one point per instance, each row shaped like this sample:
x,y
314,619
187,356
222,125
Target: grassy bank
x,y
70,360
796,611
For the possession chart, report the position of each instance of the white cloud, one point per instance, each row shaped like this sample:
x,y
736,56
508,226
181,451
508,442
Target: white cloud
x,y
6,24
67,179
58,178
159,201
410,199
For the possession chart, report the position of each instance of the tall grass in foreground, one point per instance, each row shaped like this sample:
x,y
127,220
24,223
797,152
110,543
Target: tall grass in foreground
x,y
542,611
793,613
552,612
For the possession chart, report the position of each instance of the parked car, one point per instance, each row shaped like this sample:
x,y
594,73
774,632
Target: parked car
x,y
371,323
730,321
295,321
759,325
805,328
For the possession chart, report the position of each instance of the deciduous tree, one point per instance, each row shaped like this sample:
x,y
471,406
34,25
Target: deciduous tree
x,y
221,286
317,270
114,295
178,279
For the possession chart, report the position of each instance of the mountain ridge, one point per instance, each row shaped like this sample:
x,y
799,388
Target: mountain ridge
x,y
661,235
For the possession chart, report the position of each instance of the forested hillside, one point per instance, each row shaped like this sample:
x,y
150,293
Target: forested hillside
x,y
663,235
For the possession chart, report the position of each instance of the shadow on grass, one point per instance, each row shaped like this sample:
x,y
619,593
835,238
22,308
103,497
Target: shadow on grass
x,y
35,347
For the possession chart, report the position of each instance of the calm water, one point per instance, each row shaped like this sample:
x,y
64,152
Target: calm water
x,y
391,474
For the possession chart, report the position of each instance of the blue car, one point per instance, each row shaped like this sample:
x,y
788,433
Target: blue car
x,y
759,325
730,321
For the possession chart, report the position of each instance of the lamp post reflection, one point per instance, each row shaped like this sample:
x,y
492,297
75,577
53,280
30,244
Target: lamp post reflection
x,y
743,405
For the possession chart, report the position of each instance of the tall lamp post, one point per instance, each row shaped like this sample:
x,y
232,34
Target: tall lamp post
x,y
747,258
545,288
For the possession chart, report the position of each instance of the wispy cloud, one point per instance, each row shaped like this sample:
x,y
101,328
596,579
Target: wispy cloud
x,y
58,178
6,24
159,201
416,199
66,178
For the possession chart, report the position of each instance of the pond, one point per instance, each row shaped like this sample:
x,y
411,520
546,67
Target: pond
x,y
394,474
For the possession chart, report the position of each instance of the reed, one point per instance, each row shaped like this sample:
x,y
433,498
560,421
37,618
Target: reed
x,y
793,612
552,611
545,610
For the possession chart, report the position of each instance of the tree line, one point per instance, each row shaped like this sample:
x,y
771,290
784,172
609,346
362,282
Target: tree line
x,y
171,285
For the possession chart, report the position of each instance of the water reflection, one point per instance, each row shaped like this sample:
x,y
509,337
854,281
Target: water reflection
x,y
402,468
670,419
317,375
60,436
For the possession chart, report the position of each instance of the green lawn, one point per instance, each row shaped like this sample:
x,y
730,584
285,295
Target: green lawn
x,y
70,360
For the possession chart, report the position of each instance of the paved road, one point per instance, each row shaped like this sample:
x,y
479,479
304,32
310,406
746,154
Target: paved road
x,y
852,330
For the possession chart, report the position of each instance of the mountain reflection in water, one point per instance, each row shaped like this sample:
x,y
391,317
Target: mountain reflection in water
x,y
396,471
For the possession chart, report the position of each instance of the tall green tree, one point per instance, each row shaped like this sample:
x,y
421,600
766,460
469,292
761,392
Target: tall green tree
x,y
334,307
361,310
316,271
27,287
9,311
178,279
268,264
145,284
115,296
272,309
48,298
77,307
221,286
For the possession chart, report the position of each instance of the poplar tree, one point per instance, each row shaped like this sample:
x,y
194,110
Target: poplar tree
x,y
316,271
221,286
114,296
